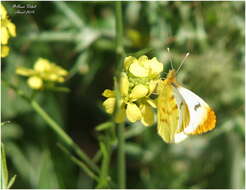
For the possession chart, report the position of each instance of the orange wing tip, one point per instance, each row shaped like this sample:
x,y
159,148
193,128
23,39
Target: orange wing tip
x,y
207,124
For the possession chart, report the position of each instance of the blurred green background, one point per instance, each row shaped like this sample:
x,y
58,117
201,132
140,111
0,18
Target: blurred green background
x,y
80,36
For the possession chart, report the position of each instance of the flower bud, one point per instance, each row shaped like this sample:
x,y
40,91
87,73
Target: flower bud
x,y
35,82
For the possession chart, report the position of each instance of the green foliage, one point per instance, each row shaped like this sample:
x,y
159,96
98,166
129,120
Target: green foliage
x,y
80,37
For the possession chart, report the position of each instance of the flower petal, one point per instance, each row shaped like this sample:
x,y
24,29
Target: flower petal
x,y
124,84
143,60
133,113
4,35
155,66
108,93
11,28
4,51
128,61
152,103
24,71
152,86
137,70
42,65
138,92
3,11
147,115
108,105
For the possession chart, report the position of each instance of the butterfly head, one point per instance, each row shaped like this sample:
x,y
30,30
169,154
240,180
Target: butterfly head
x,y
171,77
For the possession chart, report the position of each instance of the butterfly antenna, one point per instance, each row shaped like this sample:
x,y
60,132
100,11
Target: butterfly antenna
x,y
163,78
183,61
164,72
170,57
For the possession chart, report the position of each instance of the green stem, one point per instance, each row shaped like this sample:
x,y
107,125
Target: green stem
x,y
120,53
61,133
79,163
119,37
121,157
66,139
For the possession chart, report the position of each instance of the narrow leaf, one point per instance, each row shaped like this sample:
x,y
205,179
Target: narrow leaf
x,y
4,172
11,182
104,126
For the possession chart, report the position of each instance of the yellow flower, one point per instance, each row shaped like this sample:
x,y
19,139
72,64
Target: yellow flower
x,y
7,30
45,71
144,67
138,81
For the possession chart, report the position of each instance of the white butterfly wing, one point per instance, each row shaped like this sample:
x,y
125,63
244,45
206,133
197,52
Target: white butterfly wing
x,y
202,117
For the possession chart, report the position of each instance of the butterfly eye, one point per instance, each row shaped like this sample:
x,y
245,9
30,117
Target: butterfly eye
x,y
153,96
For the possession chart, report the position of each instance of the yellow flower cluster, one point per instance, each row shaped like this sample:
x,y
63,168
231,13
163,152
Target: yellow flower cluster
x,y
43,71
138,81
7,30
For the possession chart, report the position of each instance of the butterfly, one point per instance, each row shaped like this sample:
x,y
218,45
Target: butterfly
x,y
180,112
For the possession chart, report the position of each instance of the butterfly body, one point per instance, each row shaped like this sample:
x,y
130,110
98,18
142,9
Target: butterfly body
x,y
181,112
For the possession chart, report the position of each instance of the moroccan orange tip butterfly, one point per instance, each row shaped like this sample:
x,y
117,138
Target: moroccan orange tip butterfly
x,y
180,112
